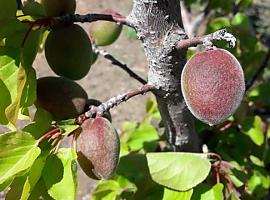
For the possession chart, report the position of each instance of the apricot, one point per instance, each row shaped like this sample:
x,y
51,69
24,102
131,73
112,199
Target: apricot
x,y
56,8
68,51
104,32
63,98
213,85
94,58
33,8
98,148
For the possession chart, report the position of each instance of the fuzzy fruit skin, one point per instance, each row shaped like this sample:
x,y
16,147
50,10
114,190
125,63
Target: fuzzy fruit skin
x,y
68,51
213,85
98,148
63,98
56,8
104,32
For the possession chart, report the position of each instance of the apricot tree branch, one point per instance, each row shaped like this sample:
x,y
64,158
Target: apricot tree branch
x,y
116,62
208,39
113,17
251,82
115,101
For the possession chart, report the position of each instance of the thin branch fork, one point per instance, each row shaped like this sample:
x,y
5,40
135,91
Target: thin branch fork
x,y
208,40
116,62
115,101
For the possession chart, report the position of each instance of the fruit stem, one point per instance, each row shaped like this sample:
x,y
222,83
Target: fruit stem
x,y
49,134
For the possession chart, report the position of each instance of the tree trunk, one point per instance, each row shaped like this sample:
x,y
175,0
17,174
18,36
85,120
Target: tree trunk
x,y
159,25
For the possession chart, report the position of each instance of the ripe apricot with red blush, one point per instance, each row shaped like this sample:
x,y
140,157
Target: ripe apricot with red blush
x,y
213,85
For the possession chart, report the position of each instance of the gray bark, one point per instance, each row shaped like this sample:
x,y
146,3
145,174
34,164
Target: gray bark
x,y
159,25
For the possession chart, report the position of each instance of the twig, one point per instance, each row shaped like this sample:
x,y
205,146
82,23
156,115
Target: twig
x,y
208,39
259,71
71,18
113,17
115,101
116,62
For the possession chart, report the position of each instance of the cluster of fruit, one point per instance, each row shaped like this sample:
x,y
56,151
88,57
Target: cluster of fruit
x,y
212,85
68,51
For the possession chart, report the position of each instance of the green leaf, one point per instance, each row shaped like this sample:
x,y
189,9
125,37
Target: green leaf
x,y
217,24
207,192
18,152
33,8
8,8
253,128
107,190
258,179
31,47
40,190
41,123
60,175
16,188
12,110
215,193
6,184
9,65
244,3
259,183
152,109
33,176
178,171
260,94
29,91
5,101
143,137
67,126
241,20
113,189
172,194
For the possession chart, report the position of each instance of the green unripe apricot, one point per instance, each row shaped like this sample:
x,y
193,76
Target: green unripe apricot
x,y
63,98
33,8
104,32
56,8
68,51
94,57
